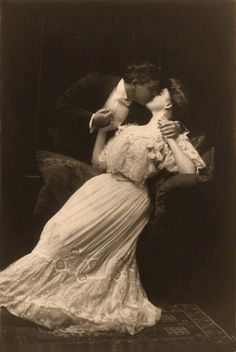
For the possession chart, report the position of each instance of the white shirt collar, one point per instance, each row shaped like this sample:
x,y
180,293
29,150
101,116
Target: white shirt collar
x,y
120,89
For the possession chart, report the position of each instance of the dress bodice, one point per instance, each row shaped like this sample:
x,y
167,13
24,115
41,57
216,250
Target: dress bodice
x,y
138,152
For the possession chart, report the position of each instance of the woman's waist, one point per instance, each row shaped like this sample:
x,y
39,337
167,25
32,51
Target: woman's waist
x,y
119,176
122,177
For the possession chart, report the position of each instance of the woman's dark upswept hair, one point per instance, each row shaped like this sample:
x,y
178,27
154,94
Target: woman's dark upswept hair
x,y
178,94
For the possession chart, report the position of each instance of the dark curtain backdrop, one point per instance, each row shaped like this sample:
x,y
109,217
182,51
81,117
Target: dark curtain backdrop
x,y
47,46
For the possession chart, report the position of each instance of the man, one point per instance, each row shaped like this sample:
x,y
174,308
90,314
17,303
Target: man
x,y
96,99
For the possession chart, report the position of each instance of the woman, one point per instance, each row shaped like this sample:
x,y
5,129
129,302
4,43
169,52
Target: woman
x,y
82,275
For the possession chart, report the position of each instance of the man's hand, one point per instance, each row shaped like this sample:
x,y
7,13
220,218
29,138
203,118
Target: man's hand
x,y
170,129
102,118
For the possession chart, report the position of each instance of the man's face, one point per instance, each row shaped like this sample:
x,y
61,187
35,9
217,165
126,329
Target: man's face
x,y
143,93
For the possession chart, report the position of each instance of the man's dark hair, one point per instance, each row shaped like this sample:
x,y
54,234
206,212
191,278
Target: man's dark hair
x,y
143,71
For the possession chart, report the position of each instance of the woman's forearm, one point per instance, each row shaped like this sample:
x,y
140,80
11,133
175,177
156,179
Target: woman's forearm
x,y
184,164
98,147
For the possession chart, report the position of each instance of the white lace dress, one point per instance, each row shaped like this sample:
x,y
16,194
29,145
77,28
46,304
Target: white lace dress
x,y
82,275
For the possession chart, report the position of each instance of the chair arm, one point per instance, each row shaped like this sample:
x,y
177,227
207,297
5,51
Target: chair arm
x,y
174,184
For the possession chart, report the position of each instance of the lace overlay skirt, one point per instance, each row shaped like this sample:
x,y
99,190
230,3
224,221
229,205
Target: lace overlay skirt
x,y
82,275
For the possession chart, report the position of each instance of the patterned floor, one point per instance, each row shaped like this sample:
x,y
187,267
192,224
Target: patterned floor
x,y
183,327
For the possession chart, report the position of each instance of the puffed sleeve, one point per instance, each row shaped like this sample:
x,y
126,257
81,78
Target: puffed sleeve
x,y
188,149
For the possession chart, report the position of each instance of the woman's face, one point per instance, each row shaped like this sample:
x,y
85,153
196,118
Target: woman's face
x,y
160,101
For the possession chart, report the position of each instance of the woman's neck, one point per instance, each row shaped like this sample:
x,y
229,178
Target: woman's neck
x,y
156,116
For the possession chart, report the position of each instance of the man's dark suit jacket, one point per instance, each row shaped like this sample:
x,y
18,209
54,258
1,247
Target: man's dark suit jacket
x,y
74,109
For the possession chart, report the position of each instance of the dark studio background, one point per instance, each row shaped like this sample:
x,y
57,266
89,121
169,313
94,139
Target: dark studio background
x,y
47,46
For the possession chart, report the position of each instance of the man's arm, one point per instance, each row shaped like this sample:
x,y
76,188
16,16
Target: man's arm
x,y
69,109
79,103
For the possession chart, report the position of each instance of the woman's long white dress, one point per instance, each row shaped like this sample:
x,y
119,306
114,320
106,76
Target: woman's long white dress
x,y
82,275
